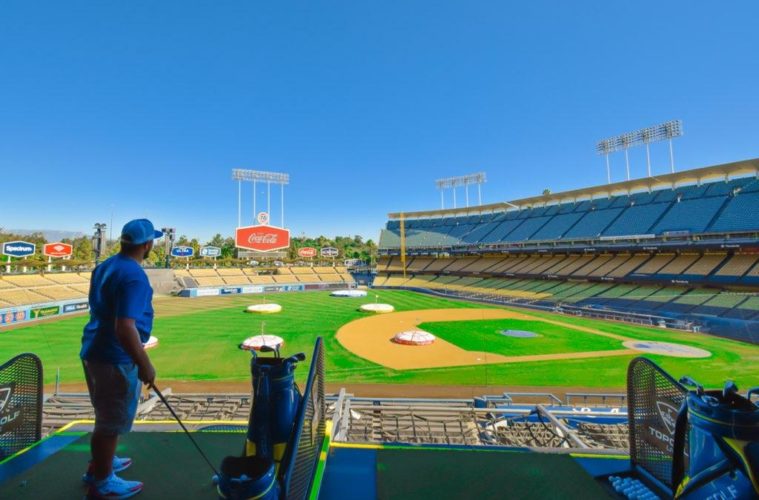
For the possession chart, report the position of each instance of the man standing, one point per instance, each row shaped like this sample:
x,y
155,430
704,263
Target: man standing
x,y
121,318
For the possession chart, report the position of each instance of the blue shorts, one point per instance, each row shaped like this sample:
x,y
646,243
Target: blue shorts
x,y
114,393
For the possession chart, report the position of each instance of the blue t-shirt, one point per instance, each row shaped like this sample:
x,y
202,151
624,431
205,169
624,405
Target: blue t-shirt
x,y
119,289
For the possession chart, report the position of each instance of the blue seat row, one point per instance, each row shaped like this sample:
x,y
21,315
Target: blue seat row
x,y
713,207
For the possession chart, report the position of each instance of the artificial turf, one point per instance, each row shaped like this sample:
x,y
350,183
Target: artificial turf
x,y
201,345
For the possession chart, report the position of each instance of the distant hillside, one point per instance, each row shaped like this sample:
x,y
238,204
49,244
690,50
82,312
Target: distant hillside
x,y
49,234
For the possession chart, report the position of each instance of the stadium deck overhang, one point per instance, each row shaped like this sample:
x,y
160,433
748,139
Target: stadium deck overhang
x,y
694,176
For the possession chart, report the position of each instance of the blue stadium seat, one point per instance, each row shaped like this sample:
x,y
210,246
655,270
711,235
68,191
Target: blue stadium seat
x,y
665,195
557,226
602,203
751,187
693,192
620,202
584,206
552,210
724,188
636,220
690,215
593,224
527,228
643,198
479,232
739,214
500,233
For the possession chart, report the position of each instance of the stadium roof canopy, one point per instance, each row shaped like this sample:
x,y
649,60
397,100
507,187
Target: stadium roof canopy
x,y
694,176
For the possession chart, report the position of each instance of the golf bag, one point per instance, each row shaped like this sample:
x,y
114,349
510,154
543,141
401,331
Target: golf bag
x,y
276,400
723,438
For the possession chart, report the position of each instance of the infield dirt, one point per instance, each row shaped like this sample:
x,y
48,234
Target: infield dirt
x,y
371,337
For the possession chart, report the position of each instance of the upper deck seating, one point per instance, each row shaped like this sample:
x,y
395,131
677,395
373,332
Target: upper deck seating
x,y
738,215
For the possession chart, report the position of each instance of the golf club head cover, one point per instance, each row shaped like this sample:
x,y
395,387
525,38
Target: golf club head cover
x,y
247,477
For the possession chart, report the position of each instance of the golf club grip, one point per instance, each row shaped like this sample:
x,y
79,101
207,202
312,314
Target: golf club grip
x,y
176,417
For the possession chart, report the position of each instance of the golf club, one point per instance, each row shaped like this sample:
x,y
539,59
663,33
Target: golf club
x,y
176,417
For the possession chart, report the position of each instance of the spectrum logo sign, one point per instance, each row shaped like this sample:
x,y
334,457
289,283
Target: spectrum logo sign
x,y
18,248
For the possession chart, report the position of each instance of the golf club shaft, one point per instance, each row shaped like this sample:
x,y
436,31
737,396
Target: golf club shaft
x,y
176,417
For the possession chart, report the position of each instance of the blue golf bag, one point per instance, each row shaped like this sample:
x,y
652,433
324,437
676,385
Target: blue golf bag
x,y
723,440
276,400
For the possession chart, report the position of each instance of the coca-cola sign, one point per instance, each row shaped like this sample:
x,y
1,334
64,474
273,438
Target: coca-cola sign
x,y
262,238
307,252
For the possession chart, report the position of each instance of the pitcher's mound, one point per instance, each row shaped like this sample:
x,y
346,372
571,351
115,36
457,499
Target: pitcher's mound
x,y
520,334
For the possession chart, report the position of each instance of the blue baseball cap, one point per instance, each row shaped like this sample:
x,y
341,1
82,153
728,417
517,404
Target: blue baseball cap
x,y
139,231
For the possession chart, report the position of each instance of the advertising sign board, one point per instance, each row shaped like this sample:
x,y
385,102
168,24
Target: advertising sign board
x,y
44,312
18,248
76,307
329,252
15,316
210,251
307,252
182,251
262,238
57,250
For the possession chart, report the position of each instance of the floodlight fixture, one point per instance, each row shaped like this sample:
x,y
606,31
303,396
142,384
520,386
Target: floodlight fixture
x,y
240,174
662,132
452,183
255,176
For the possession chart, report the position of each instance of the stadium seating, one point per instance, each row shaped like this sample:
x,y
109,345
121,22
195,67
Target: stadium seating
x,y
737,265
738,215
722,206
27,289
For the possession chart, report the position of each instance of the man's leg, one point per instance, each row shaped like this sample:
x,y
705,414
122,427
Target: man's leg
x,y
103,448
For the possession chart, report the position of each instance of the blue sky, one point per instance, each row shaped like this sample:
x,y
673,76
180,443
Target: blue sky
x,y
142,108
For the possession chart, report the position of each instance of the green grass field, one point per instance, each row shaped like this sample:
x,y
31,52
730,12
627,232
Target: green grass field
x,y
202,345
485,336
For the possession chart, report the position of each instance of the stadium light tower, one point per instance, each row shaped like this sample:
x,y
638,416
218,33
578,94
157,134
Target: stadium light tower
x,y
661,132
255,176
465,180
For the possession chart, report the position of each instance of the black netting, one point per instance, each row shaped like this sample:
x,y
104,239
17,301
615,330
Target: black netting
x,y
20,403
653,401
305,447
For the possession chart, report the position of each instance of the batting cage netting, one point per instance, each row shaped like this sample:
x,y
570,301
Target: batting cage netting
x,y
306,442
654,399
20,403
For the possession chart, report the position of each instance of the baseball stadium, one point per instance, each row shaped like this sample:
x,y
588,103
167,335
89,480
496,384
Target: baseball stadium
x,y
527,336
589,330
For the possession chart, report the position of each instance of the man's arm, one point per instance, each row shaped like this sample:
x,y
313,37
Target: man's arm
x,y
129,337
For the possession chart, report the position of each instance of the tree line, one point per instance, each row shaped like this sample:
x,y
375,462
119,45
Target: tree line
x,y
83,255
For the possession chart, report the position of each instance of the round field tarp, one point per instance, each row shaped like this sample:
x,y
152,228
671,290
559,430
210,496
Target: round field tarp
x,y
256,342
377,308
349,293
414,337
264,308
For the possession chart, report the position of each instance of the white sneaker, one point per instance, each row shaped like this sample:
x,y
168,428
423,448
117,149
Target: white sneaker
x,y
114,488
119,464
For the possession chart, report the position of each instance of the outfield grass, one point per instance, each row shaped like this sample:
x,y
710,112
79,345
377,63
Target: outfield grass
x,y
486,336
202,346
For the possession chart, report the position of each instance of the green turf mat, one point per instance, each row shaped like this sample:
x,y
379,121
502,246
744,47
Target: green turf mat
x,y
481,474
166,462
